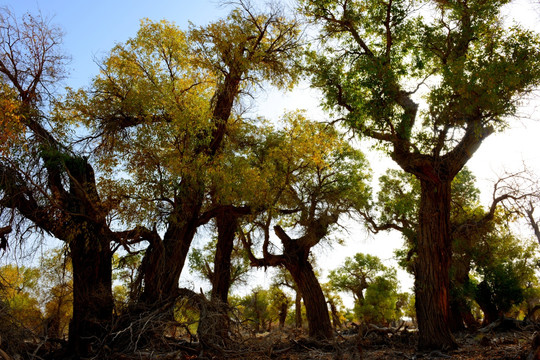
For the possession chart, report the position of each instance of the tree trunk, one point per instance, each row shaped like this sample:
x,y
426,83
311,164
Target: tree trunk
x,y
484,298
283,310
432,266
335,315
319,323
92,290
164,260
227,223
298,307
456,321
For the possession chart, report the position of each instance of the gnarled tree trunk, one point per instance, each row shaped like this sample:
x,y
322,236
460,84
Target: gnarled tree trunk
x,y
319,323
92,291
164,260
432,266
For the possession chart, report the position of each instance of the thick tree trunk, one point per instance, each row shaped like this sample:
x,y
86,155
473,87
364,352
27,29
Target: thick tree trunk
x,y
227,223
92,291
319,323
432,266
164,260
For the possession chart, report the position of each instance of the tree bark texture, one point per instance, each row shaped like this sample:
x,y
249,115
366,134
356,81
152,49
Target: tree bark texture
x,y
164,260
227,223
92,294
320,326
432,266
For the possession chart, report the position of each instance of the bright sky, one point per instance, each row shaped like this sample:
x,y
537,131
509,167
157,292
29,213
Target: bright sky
x,y
92,28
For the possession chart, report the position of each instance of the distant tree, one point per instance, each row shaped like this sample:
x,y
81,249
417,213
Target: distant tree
x,y
335,304
375,58
372,284
19,291
357,274
56,283
324,180
255,308
280,303
283,278
380,303
506,269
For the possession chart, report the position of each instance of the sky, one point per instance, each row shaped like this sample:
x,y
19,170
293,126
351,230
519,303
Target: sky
x,y
92,28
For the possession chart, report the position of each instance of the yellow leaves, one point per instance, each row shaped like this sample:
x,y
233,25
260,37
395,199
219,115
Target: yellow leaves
x,y
11,126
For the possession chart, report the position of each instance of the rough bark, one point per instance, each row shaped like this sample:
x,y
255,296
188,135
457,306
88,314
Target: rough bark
x,y
432,266
227,223
92,296
320,326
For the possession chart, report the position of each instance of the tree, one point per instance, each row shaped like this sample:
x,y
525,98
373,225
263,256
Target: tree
x,y
357,274
19,291
47,183
472,70
505,267
373,285
164,104
280,303
380,303
283,278
336,304
255,308
324,179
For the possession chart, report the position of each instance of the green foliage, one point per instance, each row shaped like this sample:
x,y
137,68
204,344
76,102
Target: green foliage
x,y
255,309
357,274
380,301
374,287
506,268
374,50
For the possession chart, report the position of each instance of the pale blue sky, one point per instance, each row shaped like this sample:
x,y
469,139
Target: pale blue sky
x,y
92,28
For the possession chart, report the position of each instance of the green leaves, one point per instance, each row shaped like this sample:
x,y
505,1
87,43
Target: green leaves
x,y
460,59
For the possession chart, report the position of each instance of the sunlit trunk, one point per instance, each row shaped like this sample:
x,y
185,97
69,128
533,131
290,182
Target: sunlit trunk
x,y
432,281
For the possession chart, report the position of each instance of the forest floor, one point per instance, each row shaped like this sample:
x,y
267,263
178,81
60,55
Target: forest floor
x,y
490,343
495,344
